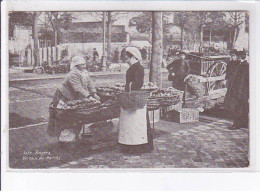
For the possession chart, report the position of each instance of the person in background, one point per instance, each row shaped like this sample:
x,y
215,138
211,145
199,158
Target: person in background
x,y
64,53
88,62
178,70
170,52
144,53
135,134
65,59
123,57
77,85
116,55
164,61
231,66
237,96
95,55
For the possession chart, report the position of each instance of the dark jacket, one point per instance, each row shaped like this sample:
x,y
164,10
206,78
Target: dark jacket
x,y
237,96
135,75
123,52
231,67
95,55
144,54
181,68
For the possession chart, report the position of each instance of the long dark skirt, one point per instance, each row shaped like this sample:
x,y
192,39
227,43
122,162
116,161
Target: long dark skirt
x,y
60,121
143,148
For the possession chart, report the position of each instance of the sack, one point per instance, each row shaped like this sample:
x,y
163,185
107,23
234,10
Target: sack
x,y
194,86
67,135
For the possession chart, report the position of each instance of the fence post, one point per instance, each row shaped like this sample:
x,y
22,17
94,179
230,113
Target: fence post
x,y
40,54
32,58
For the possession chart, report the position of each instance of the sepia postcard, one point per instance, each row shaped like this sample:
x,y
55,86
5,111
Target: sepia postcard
x,y
124,87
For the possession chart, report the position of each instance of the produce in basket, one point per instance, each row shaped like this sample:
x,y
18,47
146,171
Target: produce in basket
x,y
120,84
83,104
161,93
168,97
149,86
107,91
109,102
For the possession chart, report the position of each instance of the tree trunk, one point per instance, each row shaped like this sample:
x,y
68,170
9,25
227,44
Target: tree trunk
x,y
230,40
234,39
36,55
104,62
181,37
55,38
157,49
210,31
56,44
109,34
201,38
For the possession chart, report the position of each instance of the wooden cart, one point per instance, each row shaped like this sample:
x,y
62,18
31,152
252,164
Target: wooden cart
x,y
211,71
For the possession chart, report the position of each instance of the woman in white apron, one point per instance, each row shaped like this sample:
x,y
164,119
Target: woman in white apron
x,y
134,127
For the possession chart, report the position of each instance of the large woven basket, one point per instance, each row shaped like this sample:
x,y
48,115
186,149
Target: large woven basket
x,y
175,98
154,103
186,115
133,99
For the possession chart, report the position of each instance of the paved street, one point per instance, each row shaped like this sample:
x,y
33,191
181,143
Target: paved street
x,y
205,144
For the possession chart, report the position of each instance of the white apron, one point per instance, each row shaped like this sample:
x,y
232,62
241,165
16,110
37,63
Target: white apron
x,y
133,127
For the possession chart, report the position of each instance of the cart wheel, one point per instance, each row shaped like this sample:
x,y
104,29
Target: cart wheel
x,y
215,70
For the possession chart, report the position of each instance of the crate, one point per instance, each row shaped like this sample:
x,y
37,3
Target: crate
x,y
185,115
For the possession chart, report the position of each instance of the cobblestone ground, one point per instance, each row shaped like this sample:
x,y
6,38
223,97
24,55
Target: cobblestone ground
x,y
207,144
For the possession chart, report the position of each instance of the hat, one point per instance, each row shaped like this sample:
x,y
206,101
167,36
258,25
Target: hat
x,y
182,53
241,53
135,52
234,51
77,61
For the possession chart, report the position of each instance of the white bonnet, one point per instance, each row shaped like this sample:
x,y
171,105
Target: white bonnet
x,y
135,52
77,60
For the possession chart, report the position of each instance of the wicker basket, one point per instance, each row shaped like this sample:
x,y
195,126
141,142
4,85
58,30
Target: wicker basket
x,y
186,115
153,103
172,100
133,100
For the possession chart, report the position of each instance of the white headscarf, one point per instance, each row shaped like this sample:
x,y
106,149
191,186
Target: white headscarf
x,y
77,60
135,52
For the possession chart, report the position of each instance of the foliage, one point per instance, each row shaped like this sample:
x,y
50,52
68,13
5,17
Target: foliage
x,y
143,22
57,20
181,18
234,21
82,37
19,18
247,22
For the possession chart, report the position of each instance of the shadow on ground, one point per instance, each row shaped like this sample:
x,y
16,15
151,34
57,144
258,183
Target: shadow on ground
x,y
218,113
16,120
56,154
